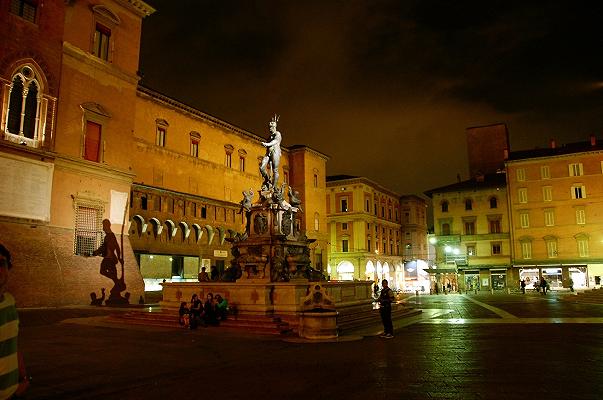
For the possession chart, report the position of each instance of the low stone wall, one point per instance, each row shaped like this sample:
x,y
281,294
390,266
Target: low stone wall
x,y
282,299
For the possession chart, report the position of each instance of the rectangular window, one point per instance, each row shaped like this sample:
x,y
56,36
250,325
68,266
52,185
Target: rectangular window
x,y
524,220
494,226
578,192
344,246
92,144
549,217
315,180
522,193
160,136
526,250
471,250
102,37
470,228
368,245
382,212
545,172
88,231
551,248
157,201
228,160
580,216
194,148
344,226
25,9
575,169
583,247
344,205
367,206
242,167
496,248
203,212
547,193
521,174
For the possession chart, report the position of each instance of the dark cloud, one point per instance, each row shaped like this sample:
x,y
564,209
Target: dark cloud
x,y
386,88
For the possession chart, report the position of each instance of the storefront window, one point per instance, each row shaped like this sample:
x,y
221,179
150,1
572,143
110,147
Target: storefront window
x,y
499,280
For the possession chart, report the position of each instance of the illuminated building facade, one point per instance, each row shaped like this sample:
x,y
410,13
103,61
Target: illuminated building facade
x,y
366,230
556,203
81,141
472,237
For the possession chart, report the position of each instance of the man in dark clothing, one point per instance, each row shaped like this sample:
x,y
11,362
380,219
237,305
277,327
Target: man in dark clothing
x,y
386,297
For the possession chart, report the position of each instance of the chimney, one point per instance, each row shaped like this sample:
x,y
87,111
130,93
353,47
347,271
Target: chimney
x,y
593,140
553,144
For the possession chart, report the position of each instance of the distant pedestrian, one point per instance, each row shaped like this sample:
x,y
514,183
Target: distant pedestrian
x,y
543,285
386,297
376,290
523,286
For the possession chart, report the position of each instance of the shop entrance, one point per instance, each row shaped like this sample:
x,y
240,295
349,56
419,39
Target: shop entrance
x,y
498,279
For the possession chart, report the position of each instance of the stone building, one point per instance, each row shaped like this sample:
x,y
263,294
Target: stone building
x,y
81,141
365,230
472,238
471,224
191,169
556,203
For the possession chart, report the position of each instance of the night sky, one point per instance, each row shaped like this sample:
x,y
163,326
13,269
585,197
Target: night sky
x,y
385,88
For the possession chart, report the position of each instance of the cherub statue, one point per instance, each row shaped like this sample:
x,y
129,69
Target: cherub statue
x,y
246,202
294,199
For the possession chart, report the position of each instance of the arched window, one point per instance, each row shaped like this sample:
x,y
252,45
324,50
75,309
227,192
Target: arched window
x,y
26,108
444,206
493,202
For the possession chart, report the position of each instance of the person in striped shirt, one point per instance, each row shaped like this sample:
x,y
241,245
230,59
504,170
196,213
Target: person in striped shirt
x,y
13,379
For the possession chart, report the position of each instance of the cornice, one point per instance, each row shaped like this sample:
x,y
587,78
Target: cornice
x,y
367,181
183,108
302,147
82,56
92,169
140,8
539,159
149,188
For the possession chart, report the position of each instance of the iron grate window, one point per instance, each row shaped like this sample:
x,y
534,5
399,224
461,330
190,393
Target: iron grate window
x,y
88,231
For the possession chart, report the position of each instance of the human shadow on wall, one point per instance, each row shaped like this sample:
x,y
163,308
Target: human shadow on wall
x,y
112,254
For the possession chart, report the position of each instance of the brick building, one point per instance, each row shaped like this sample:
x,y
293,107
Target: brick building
x,y
80,142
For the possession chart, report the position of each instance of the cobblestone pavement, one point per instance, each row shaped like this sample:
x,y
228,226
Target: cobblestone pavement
x,y
487,347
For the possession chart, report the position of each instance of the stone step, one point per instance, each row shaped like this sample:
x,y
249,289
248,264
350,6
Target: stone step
x,y
248,323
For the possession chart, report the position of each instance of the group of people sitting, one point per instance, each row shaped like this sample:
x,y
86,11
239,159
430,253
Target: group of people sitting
x,y
205,314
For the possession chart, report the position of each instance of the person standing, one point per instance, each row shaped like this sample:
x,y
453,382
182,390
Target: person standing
x,y
523,286
386,298
543,285
14,380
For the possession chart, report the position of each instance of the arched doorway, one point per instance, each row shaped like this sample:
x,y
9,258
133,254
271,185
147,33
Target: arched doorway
x,y
386,274
379,272
369,271
345,271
